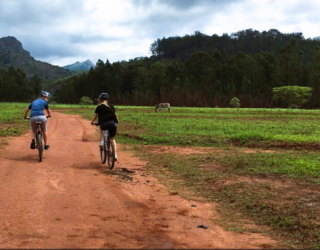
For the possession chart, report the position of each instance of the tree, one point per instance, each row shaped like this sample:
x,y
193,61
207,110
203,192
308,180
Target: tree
x,y
35,85
235,102
292,95
156,79
290,61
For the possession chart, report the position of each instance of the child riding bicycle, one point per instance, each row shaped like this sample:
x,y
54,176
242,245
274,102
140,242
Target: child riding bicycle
x,y
37,115
107,119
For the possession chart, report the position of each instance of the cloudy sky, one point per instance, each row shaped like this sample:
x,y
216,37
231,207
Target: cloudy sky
x,y
62,32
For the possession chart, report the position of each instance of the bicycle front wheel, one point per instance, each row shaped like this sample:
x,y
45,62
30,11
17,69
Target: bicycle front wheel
x,y
40,146
111,154
103,152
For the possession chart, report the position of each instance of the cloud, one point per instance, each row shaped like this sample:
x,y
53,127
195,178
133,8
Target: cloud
x,y
62,32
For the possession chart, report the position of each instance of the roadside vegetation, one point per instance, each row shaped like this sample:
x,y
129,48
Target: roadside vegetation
x,y
260,166
11,119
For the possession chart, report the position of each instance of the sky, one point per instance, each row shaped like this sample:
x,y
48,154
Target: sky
x,y
62,32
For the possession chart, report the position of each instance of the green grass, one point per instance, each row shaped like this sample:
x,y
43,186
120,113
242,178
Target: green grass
x,y
212,126
189,126
278,189
11,119
302,164
199,126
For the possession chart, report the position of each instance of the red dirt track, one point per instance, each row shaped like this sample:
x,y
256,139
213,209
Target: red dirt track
x,y
71,200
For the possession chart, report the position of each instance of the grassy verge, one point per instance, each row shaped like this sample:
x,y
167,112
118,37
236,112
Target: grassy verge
x,y
267,188
11,119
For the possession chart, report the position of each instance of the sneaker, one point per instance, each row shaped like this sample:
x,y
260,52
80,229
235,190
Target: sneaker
x,y
46,147
33,144
115,157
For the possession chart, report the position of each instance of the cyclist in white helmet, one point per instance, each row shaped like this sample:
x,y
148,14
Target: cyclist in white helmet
x,y
37,115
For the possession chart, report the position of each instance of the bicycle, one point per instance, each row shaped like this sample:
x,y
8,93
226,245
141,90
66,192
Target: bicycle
x,y
107,150
39,139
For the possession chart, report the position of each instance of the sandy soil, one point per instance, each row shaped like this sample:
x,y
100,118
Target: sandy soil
x,y
71,200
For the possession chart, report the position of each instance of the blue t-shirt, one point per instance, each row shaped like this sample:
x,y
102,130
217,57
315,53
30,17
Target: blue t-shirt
x,y
37,107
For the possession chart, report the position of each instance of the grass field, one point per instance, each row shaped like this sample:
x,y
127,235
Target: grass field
x,y
257,164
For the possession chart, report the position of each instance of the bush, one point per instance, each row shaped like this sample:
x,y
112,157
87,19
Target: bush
x,y
235,102
85,100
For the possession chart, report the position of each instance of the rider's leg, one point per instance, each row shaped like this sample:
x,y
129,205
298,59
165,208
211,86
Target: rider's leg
x,y
115,146
33,128
33,135
45,136
101,137
33,142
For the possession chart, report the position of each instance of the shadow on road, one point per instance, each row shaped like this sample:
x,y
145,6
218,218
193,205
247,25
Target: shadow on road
x,y
122,173
30,158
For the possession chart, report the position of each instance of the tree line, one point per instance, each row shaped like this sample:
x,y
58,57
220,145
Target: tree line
x,y
204,79
249,41
16,87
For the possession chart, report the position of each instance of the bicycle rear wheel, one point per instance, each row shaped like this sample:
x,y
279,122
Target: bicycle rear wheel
x,y
103,152
111,154
39,146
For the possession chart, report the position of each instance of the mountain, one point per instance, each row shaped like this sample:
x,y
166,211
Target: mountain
x,y
318,38
80,66
13,54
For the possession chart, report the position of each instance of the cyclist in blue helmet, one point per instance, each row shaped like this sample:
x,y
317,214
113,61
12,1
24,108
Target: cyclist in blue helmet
x,y
37,115
107,119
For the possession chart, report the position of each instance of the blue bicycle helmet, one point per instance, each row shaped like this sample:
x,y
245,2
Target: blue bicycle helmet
x,y
45,94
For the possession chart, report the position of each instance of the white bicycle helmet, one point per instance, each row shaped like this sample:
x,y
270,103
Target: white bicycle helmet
x,y
45,94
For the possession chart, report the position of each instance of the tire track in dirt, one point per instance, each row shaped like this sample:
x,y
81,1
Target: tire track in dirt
x,y
84,131
85,139
55,126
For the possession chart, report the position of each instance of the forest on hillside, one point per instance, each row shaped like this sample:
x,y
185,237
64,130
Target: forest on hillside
x,y
249,41
16,87
204,71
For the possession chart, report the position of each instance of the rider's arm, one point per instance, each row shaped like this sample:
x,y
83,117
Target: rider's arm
x,y
94,118
116,117
48,112
26,112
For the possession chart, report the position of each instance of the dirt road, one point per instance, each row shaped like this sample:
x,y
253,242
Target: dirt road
x,y
71,200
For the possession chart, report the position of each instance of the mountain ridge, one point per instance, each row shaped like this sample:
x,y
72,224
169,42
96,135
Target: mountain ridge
x,y
13,54
86,65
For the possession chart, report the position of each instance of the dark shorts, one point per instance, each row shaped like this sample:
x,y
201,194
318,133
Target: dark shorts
x,y
111,126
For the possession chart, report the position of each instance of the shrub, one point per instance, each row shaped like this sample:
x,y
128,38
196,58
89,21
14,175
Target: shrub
x,y
235,102
85,100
